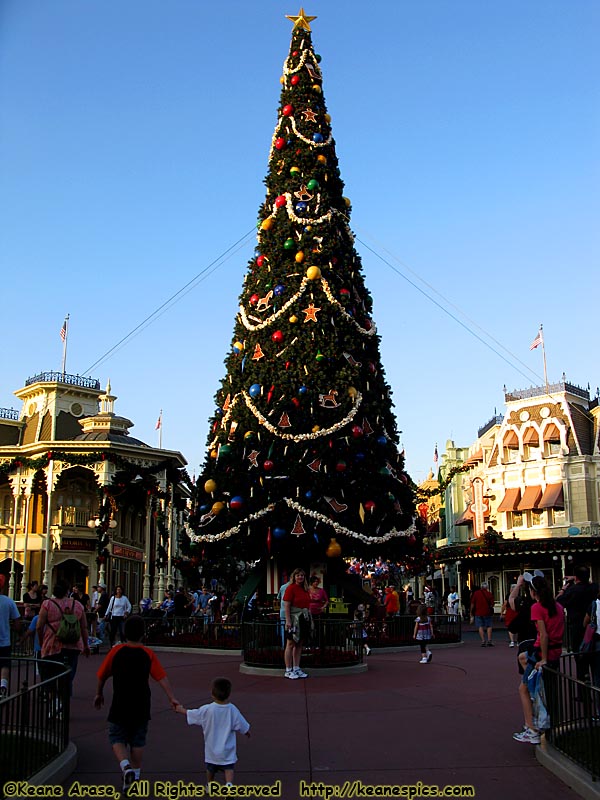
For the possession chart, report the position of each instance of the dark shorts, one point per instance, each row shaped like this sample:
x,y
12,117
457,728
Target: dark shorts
x,y
5,656
533,656
484,622
214,768
133,735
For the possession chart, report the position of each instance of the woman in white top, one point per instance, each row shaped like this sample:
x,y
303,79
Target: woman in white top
x,y
118,610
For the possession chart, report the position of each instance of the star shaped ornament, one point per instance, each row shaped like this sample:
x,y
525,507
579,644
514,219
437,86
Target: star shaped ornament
x,y
311,313
308,115
301,21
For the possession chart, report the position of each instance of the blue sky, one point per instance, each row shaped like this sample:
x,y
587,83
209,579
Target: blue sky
x,y
133,143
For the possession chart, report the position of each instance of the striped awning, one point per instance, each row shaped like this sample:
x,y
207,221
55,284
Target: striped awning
x,y
531,498
510,500
531,436
466,518
551,433
553,496
511,440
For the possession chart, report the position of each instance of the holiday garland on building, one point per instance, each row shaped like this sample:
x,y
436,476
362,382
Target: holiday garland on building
x,y
303,442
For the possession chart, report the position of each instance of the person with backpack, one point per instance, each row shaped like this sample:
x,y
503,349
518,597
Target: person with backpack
x,y
62,633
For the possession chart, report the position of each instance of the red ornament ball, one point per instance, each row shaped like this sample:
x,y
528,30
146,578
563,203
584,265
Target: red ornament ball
x,y
295,53
268,465
357,431
277,337
340,466
279,143
370,506
261,260
280,201
295,80
254,299
287,111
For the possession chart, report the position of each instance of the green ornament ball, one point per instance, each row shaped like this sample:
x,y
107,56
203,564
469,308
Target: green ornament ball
x,y
288,244
312,185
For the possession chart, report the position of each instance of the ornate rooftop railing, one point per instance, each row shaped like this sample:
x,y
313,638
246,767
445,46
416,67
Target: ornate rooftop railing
x,y
497,419
540,391
62,377
9,413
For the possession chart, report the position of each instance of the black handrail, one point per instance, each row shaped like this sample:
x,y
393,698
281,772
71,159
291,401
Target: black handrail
x,y
34,720
574,708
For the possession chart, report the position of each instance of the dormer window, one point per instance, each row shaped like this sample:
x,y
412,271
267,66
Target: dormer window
x,y
552,446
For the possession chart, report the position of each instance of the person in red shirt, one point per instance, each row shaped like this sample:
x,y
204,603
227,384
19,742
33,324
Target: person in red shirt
x,y
296,603
549,618
482,612
391,602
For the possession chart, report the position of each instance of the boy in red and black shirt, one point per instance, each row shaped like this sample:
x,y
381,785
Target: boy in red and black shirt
x,y
130,665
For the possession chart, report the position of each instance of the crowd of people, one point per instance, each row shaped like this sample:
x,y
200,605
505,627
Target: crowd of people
x,y
538,626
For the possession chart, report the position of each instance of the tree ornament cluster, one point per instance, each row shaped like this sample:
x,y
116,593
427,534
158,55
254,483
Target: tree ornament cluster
x,y
303,444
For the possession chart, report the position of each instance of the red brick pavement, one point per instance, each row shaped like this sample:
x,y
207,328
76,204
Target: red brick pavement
x,y
447,722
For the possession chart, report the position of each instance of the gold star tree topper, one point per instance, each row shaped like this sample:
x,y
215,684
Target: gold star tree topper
x,y
301,21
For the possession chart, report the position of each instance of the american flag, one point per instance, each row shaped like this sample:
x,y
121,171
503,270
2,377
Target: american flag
x,y
158,422
537,341
435,455
63,331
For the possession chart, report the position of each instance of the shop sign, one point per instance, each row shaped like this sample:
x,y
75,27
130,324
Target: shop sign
x,y
68,543
127,552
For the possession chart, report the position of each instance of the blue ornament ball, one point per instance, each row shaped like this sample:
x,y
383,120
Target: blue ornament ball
x,y
302,390
279,533
317,138
279,290
381,440
360,456
204,509
236,503
308,494
254,390
301,206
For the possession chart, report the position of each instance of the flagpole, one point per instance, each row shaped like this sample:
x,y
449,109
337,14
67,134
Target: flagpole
x,y
544,356
160,431
64,358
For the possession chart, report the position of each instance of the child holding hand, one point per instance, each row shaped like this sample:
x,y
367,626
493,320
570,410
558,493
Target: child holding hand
x,y
219,720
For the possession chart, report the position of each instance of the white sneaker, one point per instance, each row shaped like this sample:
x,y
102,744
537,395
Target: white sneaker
x,y
429,656
512,644
528,736
423,660
292,676
300,673
128,779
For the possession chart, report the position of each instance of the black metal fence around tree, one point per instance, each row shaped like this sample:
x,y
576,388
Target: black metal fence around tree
x,y
333,642
34,720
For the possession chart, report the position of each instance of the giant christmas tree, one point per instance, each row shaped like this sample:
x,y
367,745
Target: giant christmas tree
x,y
302,447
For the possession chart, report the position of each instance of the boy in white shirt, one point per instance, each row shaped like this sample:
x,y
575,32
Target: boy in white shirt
x,y
219,721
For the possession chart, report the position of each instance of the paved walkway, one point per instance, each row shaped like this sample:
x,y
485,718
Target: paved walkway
x,y
448,722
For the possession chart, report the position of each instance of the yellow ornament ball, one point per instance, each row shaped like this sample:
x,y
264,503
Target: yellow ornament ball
x,y
313,273
316,428
293,319
218,507
282,79
321,159
213,454
347,201
328,118
267,224
299,257
316,88
210,486
352,392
